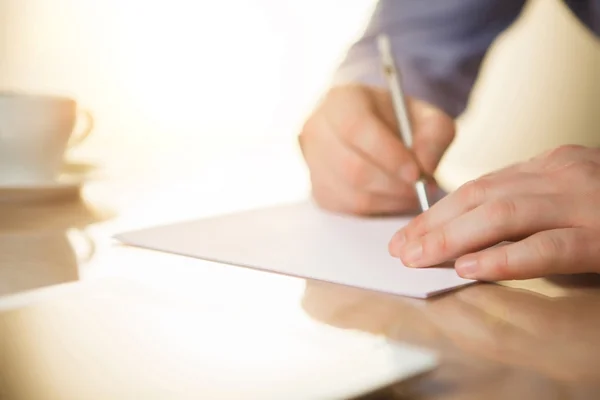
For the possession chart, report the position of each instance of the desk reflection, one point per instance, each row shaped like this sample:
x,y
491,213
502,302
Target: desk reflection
x,y
554,337
44,244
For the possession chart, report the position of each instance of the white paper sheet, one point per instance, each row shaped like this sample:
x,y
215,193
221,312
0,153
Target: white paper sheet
x,y
302,240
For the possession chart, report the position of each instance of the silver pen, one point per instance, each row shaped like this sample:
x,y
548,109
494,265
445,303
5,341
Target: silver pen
x,y
400,109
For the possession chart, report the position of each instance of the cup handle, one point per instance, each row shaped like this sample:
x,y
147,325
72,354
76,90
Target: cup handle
x,y
80,137
90,245
91,248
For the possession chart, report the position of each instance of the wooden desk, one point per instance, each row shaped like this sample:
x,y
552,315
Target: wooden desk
x,y
537,339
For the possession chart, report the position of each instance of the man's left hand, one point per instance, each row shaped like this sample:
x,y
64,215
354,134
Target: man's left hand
x,y
543,215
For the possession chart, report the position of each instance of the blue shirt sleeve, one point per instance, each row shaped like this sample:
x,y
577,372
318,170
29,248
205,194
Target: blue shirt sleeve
x,y
438,45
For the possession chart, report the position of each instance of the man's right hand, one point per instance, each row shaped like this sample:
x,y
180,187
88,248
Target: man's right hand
x,y
357,162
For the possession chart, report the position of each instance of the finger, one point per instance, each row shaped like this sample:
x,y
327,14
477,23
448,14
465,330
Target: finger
x,y
370,136
472,195
474,328
489,224
515,306
434,131
334,195
339,199
384,109
361,172
330,155
557,251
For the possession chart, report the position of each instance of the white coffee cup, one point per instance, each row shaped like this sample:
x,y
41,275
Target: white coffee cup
x,y
35,132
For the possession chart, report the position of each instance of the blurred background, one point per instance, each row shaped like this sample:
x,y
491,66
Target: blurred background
x,y
188,86
202,78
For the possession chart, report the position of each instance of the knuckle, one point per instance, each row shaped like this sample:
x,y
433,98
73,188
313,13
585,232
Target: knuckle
x,y
437,243
354,126
563,151
579,170
498,263
561,156
355,170
417,226
549,246
498,212
474,192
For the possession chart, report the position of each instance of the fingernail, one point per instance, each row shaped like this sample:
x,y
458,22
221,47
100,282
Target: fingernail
x,y
412,253
466,267
409,173
396,244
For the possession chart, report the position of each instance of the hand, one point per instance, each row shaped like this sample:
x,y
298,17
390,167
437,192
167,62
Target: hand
x,y
548,207
522,328
356,158
519,328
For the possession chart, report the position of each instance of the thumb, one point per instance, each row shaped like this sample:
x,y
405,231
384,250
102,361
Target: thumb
x,y
433,131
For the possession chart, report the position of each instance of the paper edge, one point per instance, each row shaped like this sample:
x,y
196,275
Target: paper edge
x,y
418,295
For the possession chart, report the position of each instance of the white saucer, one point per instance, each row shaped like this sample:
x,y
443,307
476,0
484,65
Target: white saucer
x,y
63,188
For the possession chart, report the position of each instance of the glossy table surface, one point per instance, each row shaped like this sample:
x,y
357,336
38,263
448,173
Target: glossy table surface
x,y
65,284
